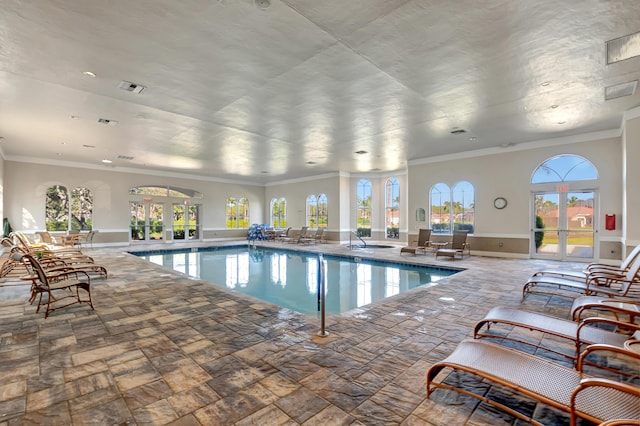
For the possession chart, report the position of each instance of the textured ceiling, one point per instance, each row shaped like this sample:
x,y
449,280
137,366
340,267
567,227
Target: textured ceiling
x,y
238,92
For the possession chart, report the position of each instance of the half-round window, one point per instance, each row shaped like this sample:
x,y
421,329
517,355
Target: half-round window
x,y
564,168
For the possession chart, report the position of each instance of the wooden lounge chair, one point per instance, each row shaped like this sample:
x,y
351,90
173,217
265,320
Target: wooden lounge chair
x,y
606,284
424,236
579,333
54,288
458,245
593,268
569,390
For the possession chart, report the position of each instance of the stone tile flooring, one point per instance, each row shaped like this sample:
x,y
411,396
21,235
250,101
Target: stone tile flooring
x,y
161,348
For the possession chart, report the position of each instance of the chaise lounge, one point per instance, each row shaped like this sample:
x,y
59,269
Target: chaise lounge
x,y
572,391
424,236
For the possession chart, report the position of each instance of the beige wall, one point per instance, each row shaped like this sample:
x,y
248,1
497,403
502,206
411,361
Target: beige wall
x,y
26,184
501,172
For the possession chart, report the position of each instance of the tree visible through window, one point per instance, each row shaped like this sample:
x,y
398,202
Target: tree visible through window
x,y
279,213
452,207
237,212
392,208
63,214
363,212
317,211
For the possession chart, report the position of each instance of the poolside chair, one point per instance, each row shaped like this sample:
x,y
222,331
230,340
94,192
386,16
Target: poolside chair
x,y
618,307
458,245
597,283
296,237
579,333
568,390
66,286
424,236
593,268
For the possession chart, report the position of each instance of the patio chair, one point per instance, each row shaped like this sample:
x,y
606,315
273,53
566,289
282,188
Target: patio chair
x,y
607,284
618,307
297,236
579,333
593,268
568,390
424,236
59,289
458,245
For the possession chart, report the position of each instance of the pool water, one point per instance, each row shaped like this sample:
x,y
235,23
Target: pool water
x,y
290,278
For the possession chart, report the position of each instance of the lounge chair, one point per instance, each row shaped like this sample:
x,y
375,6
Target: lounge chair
x,y
458,245
296,237
57,287
566,389
617,307
579,333
593,268
607,284
424,236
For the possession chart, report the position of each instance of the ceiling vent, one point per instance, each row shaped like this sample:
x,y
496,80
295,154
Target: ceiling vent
x,y
623,48
107,121
620,90
458,131
131,87
124,157
262,4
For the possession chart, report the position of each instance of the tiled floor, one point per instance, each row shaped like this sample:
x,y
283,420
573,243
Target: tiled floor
x,y
161,348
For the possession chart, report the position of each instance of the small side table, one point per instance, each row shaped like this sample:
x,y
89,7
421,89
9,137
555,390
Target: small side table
x,y
438,245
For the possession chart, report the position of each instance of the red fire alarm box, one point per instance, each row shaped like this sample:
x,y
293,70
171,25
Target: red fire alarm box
x,y
610,222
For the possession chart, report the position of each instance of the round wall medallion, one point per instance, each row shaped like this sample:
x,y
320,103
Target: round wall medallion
x,y
500,203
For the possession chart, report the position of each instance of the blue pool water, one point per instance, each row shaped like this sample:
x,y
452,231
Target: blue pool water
x,y
290,278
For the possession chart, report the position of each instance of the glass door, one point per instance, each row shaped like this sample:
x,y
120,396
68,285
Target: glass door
x,y
186,221
146,221
563,227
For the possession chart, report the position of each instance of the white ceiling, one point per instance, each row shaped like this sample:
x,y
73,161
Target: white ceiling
x,y
238,92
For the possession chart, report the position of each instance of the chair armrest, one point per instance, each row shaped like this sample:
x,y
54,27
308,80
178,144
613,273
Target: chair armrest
x,y
606,406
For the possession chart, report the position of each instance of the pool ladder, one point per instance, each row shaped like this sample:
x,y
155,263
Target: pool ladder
x,y
351,234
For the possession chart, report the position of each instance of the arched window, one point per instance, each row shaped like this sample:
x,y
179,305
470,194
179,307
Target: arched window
x,y
279,213
63,214
237,212
452,209
463,207
563,168
392,208
317,211
363,212
165,191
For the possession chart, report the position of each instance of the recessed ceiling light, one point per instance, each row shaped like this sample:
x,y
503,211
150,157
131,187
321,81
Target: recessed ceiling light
x,y
545,83
311,162
74,117
361,152
473,138
264,171
554,106
88,146
89,74
105,161
561,122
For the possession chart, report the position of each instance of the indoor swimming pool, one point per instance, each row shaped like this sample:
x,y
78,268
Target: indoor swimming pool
x,y
290,279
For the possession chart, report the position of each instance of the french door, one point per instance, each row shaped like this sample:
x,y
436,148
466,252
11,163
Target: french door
x,y
186,221
146,221
564,225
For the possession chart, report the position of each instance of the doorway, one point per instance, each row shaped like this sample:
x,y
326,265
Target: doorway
x,y
146,221
563,225
186,221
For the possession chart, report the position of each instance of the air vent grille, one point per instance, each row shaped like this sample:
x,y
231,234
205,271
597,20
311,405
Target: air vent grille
x,y
107,121
620,90
124,157
131,87
623,48
458,131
